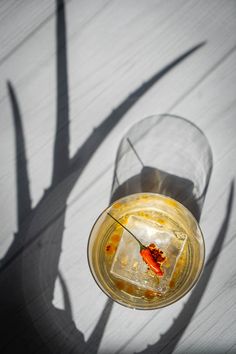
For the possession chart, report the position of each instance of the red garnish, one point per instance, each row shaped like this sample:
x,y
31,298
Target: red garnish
x,y
153,257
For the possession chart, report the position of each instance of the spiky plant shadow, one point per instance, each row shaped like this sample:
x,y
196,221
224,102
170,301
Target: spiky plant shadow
x,y
29,269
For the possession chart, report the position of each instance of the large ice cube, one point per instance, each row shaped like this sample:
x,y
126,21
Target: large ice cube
x,y
128,263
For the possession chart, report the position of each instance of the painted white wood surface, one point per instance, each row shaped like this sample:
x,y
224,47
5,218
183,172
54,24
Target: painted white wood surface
x,y
113,47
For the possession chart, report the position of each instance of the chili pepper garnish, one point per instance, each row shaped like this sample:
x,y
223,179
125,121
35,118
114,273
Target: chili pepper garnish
x,y
151,255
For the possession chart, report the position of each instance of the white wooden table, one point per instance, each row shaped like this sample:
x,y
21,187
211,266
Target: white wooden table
x,y
72,82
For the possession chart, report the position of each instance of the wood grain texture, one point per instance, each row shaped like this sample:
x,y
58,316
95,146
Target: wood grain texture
x,y
113,49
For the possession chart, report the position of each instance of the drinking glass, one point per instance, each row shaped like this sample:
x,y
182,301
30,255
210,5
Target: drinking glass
x,y
162,171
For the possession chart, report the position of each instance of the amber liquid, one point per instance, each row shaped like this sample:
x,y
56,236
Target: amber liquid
x,y
106,235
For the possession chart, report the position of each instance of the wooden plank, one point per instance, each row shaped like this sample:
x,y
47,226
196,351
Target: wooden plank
x,y
113,48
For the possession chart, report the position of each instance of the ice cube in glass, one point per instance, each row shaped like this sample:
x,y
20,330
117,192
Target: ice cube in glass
x,y
129,265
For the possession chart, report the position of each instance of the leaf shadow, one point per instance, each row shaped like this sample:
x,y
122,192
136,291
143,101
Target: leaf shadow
x,y
30,267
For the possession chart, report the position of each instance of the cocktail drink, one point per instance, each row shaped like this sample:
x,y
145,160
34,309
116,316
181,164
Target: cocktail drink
x,y
160,224
146,250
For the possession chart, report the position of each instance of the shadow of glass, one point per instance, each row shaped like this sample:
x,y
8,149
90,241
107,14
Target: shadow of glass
x,y
30,267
